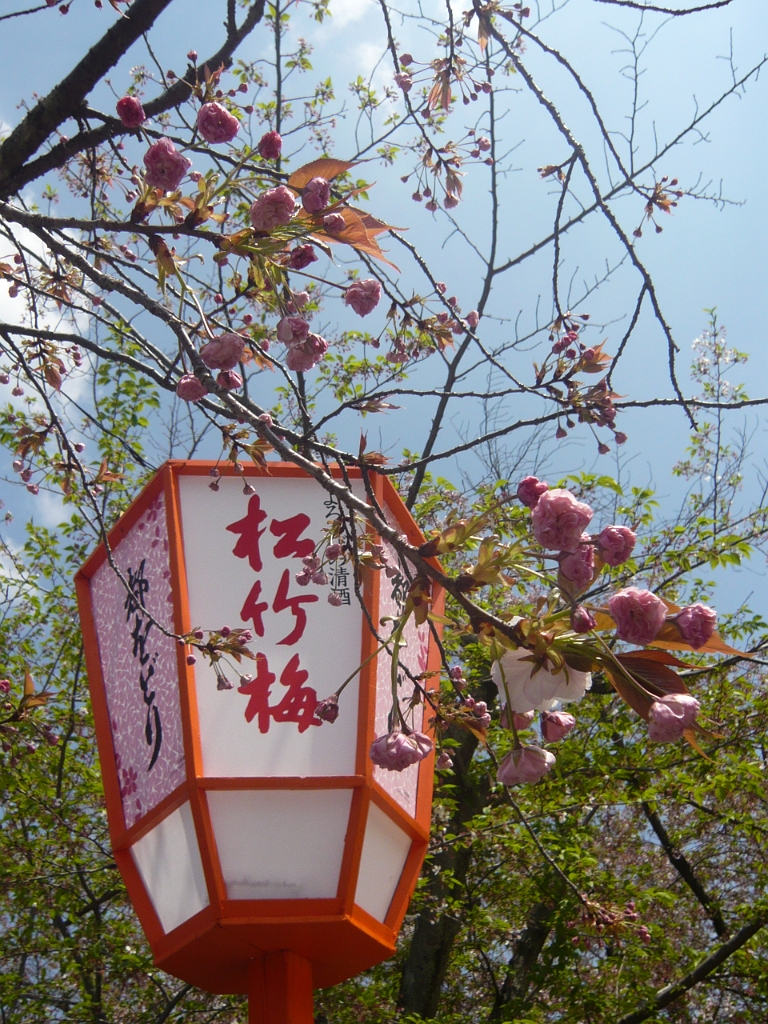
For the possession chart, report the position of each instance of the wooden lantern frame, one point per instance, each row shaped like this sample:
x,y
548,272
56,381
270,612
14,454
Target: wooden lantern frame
x,y
224,947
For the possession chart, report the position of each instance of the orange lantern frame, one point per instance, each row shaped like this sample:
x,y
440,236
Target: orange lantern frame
x,y
276,950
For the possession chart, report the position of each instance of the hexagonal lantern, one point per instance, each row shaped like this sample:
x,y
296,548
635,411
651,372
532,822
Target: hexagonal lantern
x,y
263,852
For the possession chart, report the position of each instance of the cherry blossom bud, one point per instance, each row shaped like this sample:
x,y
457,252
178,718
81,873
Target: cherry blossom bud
x,y
190,389
615,544
441,288
404,81
26,474
620,438
555,725
483,143
406,59
18,465
165,166
395,751
304,578
273,208
559,520
456,673
696,623
230,380
270,146
222,683
363,296
638,614
582,619
225,630
33,488
333,551
526,764
316,195
481,711
131,112
216,124
192,55
451,202
334,599
328,710
523,720
444,760
301,257
224,352
5,378
191,659
670,716
530,489
18,391
473,318
334,223
266,419
320,578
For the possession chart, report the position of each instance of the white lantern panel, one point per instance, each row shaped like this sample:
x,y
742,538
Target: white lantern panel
x,y
139,664
401,786
242,554
168,860
385,849
280,844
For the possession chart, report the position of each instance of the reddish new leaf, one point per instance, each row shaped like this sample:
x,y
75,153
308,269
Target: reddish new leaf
x,y
325,167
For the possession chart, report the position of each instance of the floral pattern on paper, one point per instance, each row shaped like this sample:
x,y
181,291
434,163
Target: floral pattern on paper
x,y
139,665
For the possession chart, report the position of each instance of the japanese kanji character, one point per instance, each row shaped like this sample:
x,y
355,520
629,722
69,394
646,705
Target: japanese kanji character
x,y
297,705
250,534
282,601
258,690
289,530
254,609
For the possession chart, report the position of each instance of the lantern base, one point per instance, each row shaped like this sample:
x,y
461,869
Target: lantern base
x,y
280,989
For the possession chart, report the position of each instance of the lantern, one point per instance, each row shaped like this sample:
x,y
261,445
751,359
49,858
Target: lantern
x,y
262,850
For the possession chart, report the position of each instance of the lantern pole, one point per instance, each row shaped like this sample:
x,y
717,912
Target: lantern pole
x,y
280,989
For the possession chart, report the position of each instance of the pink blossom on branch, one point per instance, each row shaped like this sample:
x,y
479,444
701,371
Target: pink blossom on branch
x,y
165,165
559,520
316,195
555,725
396,751
578,567
230,380
582,619
696,624
615,544
216,124
526,764
363,296
131,112
190,389
224,352
305,356
270,146
530,489
670,716
638,614
301,256
273,209
292,330
334,223
404,81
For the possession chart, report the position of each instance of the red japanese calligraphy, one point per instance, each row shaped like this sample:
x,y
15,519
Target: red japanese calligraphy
x,y
289,530
297,705
282,601
254,609
250,534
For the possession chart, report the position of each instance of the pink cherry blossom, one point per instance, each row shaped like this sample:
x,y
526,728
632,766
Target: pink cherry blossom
x,y
301,257
363,296
696,624
316,195
396,751
404,81
638,614
165,165
216,124
473,317
526,764
292,330
582,619
131,112
273,208
334,223
559,519
224,352
555,725
530,489
578,567
444,761
615,544
230,380
270,146
670,716
307,355
483,143
190,388
328,710
334,599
